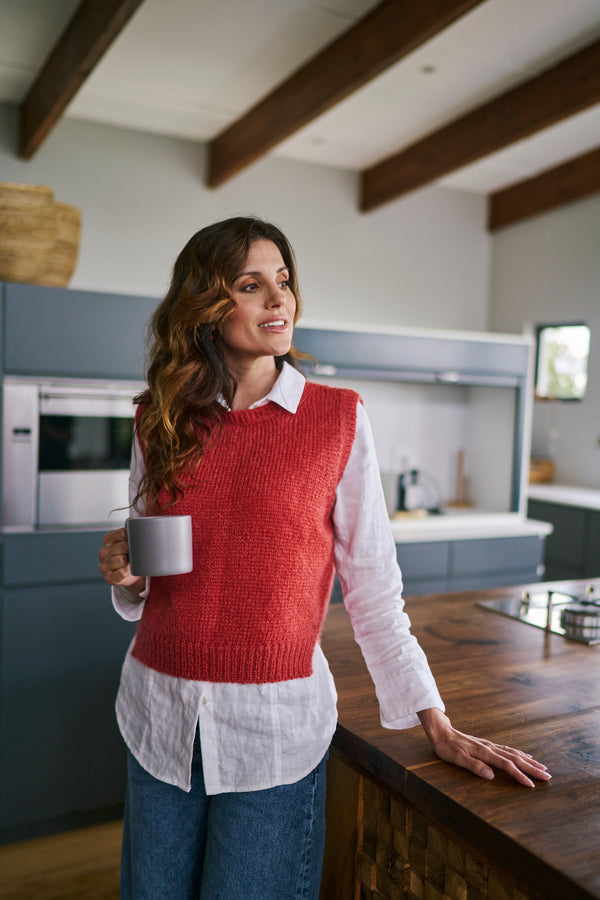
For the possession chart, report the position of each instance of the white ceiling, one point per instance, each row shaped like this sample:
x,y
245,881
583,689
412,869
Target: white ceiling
x,y
189,68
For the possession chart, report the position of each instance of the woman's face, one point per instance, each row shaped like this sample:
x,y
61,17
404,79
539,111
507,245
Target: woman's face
x,y
263,321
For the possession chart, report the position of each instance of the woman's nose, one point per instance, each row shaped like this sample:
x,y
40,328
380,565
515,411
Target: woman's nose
x,y
274,296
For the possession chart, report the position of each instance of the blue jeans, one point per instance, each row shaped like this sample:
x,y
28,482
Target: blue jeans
x,y
252,845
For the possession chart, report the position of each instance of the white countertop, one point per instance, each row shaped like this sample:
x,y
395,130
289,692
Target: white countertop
x,y
565,494
466,526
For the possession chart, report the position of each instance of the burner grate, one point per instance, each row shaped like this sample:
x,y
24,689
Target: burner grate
x,y
576,618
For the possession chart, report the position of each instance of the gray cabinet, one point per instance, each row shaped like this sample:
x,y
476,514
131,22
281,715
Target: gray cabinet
x,y
62,332
416,357
424,567
51,557
468,565
437,567
62,760
592,545
573,548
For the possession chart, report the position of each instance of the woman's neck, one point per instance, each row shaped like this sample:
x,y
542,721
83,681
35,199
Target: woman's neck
x,y
253,384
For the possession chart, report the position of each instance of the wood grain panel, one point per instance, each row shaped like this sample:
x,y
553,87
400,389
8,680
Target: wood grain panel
x,y
90,32
561,91
566,183
382,37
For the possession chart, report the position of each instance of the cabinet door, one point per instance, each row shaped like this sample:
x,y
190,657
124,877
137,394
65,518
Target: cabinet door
x,y
592,545
61,752
564,550
55,331
424,567
413,357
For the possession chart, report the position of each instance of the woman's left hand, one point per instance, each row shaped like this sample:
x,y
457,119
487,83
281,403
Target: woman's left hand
x,y
478,755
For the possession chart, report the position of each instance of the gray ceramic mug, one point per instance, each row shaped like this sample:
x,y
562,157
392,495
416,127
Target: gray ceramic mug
x,y
160,545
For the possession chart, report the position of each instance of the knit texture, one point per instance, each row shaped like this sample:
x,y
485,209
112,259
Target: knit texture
x,y
261,503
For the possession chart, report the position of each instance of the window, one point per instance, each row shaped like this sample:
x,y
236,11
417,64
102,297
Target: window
x,y
562,361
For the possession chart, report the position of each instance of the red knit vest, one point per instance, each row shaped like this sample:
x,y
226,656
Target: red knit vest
x,y
261,504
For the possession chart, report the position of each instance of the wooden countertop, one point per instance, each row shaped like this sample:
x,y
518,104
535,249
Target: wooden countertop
x,y
511,683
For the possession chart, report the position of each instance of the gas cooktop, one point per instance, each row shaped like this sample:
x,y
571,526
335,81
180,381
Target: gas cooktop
x,y
575,617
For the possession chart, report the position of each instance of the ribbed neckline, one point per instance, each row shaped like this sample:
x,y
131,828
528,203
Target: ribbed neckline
x,y
251,416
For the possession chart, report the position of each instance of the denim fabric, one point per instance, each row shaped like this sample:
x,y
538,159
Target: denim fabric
x,y
252,845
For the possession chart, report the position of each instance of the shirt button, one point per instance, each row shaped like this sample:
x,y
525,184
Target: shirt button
x,y
204,701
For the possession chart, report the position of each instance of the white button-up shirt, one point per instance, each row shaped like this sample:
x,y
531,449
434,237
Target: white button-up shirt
x,y
256,736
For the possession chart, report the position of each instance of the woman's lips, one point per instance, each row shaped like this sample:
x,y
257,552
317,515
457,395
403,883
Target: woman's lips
x,y
276,325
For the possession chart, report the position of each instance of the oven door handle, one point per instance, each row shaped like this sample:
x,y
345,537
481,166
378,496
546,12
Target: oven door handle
x,y
63,395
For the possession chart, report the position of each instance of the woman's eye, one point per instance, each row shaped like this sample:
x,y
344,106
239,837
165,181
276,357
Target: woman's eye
x,y
248,288
284,284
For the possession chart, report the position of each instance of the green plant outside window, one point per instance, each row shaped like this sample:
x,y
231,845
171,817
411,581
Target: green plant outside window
x,y
562,361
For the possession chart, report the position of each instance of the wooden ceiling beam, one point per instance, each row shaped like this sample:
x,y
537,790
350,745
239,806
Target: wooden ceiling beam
x,y
570,181
386,34
561,91
90,32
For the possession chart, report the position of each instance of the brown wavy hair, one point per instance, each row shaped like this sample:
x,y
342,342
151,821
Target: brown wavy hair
x,y
180,412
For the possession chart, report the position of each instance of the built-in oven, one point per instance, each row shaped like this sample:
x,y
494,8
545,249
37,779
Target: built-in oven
x,y
66,452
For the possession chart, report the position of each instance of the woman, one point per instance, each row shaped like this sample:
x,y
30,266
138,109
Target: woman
x,y
226,702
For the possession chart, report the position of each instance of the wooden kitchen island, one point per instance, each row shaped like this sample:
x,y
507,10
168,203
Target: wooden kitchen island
x,y
403,824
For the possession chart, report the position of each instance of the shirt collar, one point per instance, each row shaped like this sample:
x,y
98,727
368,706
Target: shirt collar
x,y
287,390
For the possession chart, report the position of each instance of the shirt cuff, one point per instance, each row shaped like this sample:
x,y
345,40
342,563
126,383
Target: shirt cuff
x,y
127,606
404,694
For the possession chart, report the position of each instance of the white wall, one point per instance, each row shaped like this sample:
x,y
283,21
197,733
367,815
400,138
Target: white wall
x,y
547,269
420,261
417,426
425,426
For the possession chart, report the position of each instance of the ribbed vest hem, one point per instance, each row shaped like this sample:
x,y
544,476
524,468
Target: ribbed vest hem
x,y
255,664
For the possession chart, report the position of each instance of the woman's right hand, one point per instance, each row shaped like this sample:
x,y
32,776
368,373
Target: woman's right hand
x,y
114,562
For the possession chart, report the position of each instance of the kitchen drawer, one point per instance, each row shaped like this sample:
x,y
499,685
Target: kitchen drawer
x,y
423,560
492,580
51,558
489,555
419,586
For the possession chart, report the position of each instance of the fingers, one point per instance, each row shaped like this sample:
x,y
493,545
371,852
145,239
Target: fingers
x,y
477,754
483,757
477,767
520,765
114,557
514,771
116,536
